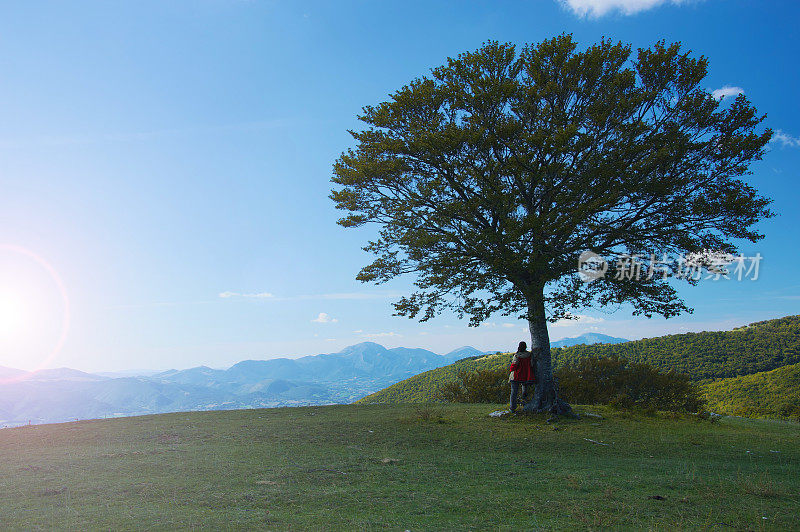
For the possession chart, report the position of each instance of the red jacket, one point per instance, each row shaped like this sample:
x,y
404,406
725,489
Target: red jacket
x,y
522,368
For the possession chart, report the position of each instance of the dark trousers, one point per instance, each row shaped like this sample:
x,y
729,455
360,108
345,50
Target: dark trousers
x,y
515,386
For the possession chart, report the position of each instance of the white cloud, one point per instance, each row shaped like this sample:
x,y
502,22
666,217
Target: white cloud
x,y
577,319
508,325
383,335
256,295
598,8
786,140
726,91
359,331
349,296
311,297
323,317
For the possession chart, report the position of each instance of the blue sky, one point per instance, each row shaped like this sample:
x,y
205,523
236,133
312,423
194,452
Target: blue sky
x,y
171,161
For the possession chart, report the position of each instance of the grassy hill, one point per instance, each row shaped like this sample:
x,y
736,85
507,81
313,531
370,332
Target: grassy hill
x,y
448,467
761,346
763,394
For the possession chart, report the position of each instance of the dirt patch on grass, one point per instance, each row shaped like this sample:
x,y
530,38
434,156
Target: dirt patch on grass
x,y
49,492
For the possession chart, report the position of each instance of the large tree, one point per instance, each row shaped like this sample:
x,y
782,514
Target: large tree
x,y
490,177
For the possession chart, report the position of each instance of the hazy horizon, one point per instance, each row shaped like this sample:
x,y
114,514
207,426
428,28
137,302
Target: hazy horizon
x,y
294,356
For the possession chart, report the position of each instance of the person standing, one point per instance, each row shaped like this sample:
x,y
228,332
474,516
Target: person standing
x,y
522,374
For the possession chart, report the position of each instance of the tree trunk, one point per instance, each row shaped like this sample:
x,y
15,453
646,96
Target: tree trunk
x,y
546,397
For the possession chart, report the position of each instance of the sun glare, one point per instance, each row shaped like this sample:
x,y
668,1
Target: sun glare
x,y
34,310
14,318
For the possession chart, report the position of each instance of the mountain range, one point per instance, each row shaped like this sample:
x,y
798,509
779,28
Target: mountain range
x,y
64,394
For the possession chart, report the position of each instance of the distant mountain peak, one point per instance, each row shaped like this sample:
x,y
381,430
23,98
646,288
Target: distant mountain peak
x,y
463,352
364,344
588,339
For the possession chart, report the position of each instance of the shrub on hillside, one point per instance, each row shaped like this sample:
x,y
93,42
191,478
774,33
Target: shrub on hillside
x,y
481,386
622,383
613,381
790,411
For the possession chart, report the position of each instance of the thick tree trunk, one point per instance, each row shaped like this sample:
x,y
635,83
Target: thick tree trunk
x,y
546,397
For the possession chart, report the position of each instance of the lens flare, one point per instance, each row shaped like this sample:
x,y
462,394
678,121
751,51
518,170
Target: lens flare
x,y
14,313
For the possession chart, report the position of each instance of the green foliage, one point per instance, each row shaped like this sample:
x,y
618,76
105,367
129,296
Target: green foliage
x,y
616,382
479,386
773,393
490,176
757,347
625,384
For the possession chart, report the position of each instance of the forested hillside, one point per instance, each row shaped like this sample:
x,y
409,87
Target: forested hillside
x,y
766,394
758,347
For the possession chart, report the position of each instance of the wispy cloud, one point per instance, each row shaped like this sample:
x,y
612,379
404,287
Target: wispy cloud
x,y
313,297
323,317
382,335
599,8
726,91
265,296
577,319
509,325
255,295
349,295
786,140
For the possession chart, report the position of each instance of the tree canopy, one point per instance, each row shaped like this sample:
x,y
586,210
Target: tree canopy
x,y
491,176
494,173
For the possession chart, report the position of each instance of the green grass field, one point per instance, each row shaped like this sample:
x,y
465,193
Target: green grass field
x,y
401,467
